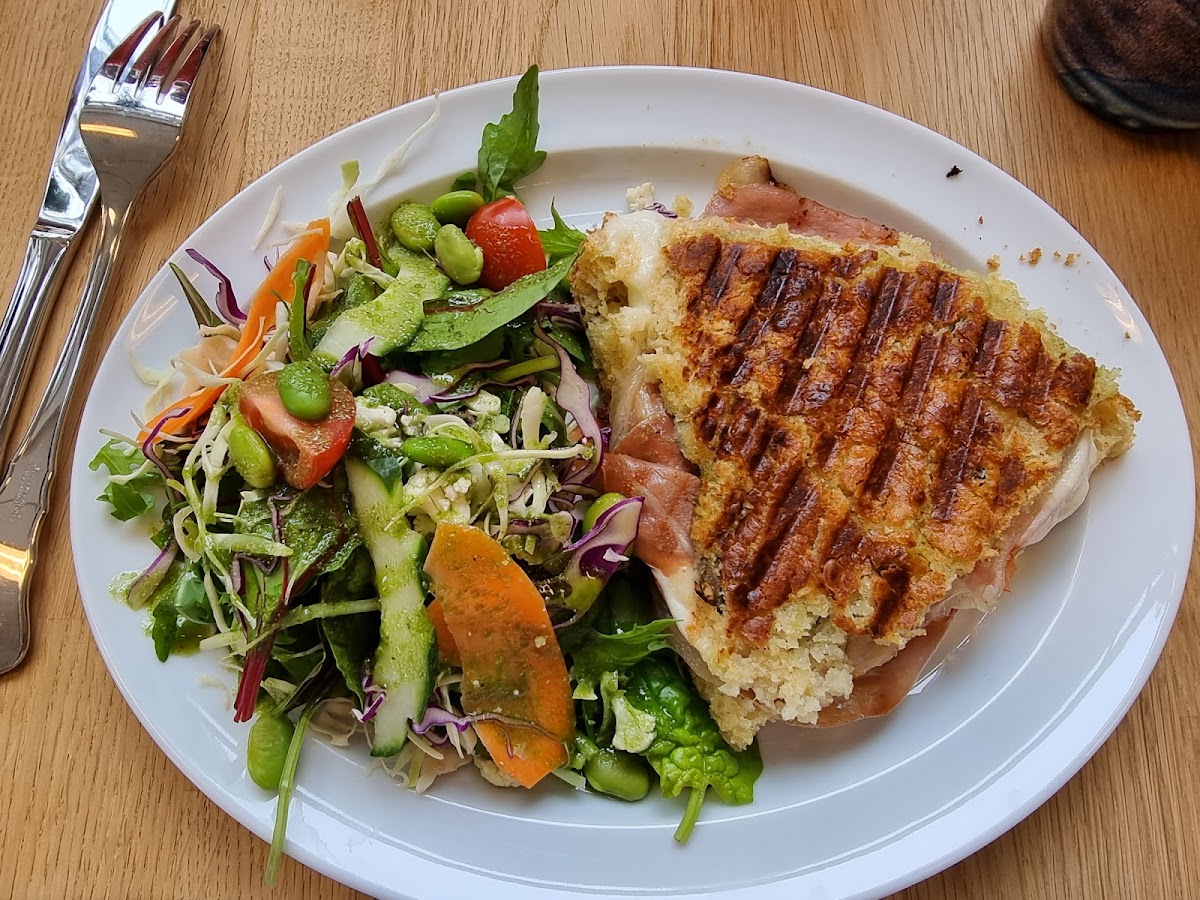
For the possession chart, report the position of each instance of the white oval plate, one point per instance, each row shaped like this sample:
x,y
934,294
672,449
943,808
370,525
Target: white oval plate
x,y
855,811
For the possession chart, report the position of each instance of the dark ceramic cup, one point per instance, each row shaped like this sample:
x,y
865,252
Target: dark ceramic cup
x,y
1134,62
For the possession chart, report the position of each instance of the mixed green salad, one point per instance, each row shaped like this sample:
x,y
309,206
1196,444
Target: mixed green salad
x,y
377,500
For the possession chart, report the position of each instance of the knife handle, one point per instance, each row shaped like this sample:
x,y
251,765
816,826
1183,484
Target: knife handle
x,y
37,282
25,489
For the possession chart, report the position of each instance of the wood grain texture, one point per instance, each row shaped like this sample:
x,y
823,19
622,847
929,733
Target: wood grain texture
x,y
89,807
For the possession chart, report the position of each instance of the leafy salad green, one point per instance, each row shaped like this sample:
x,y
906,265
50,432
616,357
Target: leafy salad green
x,y
361,403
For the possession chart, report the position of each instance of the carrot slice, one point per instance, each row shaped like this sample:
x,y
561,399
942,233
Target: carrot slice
x,y
510,657
184,413
445,640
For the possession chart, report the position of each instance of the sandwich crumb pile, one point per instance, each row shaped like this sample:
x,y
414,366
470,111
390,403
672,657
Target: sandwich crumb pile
x,y
841,440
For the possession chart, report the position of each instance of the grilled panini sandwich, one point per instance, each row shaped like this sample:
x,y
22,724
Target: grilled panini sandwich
x,y
840,438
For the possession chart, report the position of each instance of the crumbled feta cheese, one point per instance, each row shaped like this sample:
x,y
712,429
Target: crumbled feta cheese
x,y
539,642
639,197
373,418
484,403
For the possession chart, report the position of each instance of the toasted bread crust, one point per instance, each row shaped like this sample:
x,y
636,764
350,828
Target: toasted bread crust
x,y
867,422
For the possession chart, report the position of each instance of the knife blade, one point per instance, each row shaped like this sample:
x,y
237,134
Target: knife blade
x,y
71,191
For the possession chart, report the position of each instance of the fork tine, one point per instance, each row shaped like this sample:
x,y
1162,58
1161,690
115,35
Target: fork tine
x,y
186,76
135,75
119,58
166,62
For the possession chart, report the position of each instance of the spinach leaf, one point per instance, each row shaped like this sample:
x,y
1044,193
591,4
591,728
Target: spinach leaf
x,y
571,341
486,349
561,240
131,498
508,151
464,182
600,653
688,750
316,524
454,329
385,462
352,641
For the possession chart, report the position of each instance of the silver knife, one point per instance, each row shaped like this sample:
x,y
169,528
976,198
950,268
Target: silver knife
x,y
70,195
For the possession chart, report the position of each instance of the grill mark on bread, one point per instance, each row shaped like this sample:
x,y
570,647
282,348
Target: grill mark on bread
x,y
720,276
856,400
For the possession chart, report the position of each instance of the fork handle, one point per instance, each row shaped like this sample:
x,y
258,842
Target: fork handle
x,y
25,491
37,282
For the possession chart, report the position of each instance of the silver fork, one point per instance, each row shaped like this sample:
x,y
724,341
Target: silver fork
x,y
130,122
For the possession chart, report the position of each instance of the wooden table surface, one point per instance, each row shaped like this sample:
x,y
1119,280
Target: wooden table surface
x,y
90,807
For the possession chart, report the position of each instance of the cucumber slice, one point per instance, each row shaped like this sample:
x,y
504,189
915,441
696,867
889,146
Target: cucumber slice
x,y
405,661
393,318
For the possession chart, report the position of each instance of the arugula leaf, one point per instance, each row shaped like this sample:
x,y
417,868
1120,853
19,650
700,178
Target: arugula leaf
x,y
190,597
203,313
561,240
164,627
458,328
508,151
688,750
130,497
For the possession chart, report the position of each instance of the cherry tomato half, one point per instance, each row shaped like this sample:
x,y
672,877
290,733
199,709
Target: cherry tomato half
x,y
509,240
307,451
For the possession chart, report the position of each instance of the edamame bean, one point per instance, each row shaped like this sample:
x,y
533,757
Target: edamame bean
x,y
251,456
305,392
457,255
360,290
599,507
415,226
267,748
456,207
618,774
438,452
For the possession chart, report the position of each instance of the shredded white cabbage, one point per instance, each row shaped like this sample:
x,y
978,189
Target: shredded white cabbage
x,y
269,221
340,225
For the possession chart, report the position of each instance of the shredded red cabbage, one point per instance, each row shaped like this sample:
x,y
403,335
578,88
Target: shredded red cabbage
x,y
662,210
351,369
148,449
226,302
467,392
559,308
143,586
424,388
573,395
375,695
436,717
600,552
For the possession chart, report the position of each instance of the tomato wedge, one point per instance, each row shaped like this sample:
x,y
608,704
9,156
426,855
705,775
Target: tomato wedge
x,y
509,240
307,451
